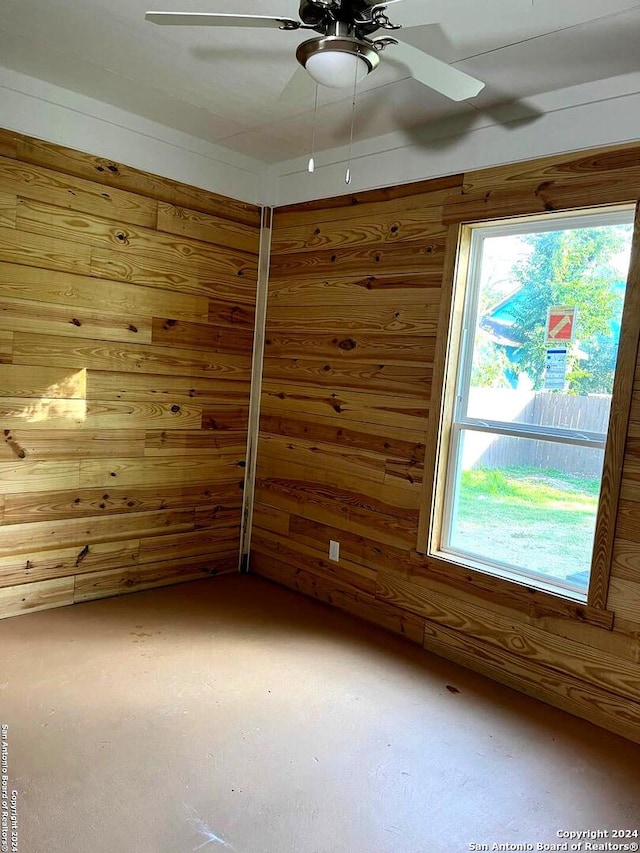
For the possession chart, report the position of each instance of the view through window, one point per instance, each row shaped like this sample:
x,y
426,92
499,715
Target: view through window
x,y
535,369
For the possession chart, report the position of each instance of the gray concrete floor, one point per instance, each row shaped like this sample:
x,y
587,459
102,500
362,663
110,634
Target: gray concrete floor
x,y
232,715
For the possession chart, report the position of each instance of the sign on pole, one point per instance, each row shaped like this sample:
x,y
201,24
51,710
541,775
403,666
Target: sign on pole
x,y
561,325
555,376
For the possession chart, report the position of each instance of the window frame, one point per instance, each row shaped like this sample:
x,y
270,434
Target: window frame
x,y
462,572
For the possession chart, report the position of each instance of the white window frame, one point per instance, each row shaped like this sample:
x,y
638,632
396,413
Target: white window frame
x,y
462,348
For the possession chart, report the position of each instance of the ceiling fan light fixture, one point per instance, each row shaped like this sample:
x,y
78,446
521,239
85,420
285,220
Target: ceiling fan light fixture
x,y
337,61
336,70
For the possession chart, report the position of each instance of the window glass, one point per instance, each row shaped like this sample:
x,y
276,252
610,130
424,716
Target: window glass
x,y
528,504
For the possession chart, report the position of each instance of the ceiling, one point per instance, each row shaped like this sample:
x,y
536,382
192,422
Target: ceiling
x,y
226,85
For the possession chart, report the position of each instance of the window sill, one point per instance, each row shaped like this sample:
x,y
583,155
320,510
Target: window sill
x,y
498,590
467,561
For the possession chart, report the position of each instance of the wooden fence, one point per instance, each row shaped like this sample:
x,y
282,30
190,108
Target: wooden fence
x,y
585,414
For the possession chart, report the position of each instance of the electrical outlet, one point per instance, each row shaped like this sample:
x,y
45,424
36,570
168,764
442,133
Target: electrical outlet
x,y
334,551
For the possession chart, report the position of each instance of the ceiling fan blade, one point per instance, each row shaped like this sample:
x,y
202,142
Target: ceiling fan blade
x,y
300,89
210,19
435,73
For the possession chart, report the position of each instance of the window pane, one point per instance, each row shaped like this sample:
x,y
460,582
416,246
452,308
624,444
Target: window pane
x,y
526,503
547,325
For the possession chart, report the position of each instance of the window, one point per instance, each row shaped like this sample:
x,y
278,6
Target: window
x,y
531,371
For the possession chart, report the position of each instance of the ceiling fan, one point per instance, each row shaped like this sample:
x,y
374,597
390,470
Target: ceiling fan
x,y
345,51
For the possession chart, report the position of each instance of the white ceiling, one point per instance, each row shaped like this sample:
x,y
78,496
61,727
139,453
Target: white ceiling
x,y
226,85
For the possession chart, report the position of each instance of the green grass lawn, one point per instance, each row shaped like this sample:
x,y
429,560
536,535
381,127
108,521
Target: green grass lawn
x,y
542,521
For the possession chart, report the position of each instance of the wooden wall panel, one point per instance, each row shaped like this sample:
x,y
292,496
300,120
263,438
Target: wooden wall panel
x,y
8,204
84,293
390,411
63,414
112,356
45,185
40,444
164,251
116,582
43,252
600,176
25,315
202,226
357,322
54,563
40,595
219,498
348,290
6,347
227,339
126,335
107,173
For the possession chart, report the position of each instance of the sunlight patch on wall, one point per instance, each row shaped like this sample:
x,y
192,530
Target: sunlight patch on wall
x,y
63,403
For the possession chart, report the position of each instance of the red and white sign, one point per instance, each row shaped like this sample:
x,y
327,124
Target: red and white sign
x,y
561,325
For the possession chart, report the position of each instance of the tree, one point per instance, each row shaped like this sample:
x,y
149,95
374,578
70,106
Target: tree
x,y
491,366
571,268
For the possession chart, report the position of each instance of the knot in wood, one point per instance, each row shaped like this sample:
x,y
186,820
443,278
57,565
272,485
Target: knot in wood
x,y
347,344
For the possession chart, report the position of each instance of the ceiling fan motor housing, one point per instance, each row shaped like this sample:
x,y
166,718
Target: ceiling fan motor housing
x,y
319,14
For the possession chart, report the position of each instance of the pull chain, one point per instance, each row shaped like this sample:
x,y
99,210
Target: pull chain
x,y
347,177
312,162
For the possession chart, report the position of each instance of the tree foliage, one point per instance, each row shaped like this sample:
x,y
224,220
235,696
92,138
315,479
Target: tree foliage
x,y
571,268
491,366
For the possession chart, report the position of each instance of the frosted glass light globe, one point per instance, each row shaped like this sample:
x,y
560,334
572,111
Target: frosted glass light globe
x,y
337,69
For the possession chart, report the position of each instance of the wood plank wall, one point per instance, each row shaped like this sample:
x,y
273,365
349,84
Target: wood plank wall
x,y
126,329
358,308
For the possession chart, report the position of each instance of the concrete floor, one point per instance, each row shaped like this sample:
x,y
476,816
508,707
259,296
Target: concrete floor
x,y
230,714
